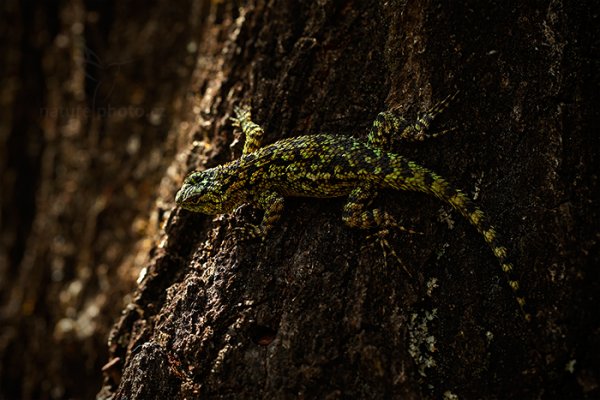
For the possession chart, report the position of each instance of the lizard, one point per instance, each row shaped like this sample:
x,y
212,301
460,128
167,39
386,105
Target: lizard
x,y
325,165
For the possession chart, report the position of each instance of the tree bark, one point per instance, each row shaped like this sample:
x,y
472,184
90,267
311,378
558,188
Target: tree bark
x,y
318,310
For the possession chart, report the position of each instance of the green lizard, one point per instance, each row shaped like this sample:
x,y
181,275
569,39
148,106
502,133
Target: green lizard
x,y
331,166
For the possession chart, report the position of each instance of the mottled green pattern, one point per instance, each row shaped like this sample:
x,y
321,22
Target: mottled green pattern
x,y
330,166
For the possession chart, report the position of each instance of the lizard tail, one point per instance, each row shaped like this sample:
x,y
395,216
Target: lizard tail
x,y
423,180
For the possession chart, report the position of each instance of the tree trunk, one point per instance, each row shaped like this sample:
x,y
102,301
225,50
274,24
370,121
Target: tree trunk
x,y
112,106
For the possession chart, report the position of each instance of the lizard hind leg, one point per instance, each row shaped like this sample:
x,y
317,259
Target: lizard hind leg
x,y
272,203
389,125
357,215
386,124
253,132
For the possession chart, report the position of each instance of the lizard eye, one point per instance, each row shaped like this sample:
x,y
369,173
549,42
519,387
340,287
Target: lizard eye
x,y
190,192
191,179
195,199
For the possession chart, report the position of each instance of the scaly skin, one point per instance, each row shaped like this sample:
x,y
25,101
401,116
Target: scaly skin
x,y
331,166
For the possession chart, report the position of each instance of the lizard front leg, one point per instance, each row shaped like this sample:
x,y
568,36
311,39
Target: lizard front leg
x,y
270,201
253,132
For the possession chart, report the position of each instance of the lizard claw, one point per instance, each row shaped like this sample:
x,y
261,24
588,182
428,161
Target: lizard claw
x,y
241,113
381,238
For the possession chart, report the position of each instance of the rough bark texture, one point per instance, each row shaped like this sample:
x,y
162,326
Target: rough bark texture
x,y
317,312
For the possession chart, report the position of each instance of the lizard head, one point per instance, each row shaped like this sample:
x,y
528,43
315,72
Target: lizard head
x,y
202,192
